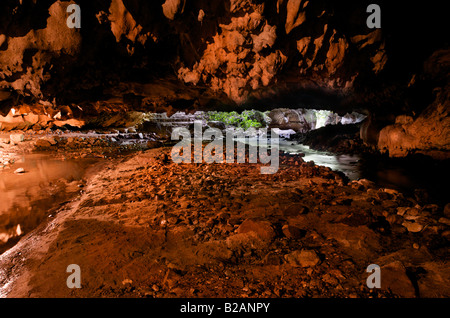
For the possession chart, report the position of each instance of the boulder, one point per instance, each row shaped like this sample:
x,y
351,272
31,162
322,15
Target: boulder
x,y
262,229
303,258
428,133
43,144
293,232
395,279
16,138
413,227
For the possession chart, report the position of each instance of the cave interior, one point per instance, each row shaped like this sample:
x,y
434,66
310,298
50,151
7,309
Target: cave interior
x,y
349,105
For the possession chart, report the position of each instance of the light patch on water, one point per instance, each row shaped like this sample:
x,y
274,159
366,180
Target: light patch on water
x,y
27,198
348,164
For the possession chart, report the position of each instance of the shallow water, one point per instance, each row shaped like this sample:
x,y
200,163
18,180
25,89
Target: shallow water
x,y
348,164
403,174
28,198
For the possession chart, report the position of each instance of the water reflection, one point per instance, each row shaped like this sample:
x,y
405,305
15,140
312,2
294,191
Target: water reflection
x,y
348,164
27,199
403,174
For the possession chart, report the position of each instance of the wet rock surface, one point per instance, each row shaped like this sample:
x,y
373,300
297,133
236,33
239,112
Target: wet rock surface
x,y
146,227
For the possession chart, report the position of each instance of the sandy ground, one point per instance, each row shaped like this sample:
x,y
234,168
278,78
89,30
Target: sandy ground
x,y
147,227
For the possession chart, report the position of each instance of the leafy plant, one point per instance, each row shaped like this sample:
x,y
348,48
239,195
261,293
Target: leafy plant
x,y
245,120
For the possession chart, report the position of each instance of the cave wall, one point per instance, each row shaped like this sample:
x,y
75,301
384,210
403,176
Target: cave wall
x,y
196,54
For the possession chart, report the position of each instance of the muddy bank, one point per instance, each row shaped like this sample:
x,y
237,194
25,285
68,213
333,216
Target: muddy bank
x,y
146,227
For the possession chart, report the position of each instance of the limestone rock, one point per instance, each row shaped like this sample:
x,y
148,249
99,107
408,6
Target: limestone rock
x,y
427,133
43,144
16,138
303,258
227,53
336,53
45,43
170,8
263,229
395,279
447,210
19,171
293,232
413,227
296,14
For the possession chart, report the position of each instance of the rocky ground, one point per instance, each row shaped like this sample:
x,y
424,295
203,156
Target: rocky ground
x,y
70,144
147,227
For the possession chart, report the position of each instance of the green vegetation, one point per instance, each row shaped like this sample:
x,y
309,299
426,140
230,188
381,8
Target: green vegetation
x,y
245,120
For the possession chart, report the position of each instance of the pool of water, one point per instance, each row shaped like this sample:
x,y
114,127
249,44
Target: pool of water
x,y
348,164
405,174
27,199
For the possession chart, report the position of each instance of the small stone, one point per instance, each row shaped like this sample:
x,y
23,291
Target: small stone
x,y
401,210
447,210
272,259
295,210
366,183
210,223
127,281
446,234
19,171
411,217
43,144
16,138
432,208
384,196
413,227
293,232
52,141
263,229
303,258
444,221
391,191
394,219
412,212
184,204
